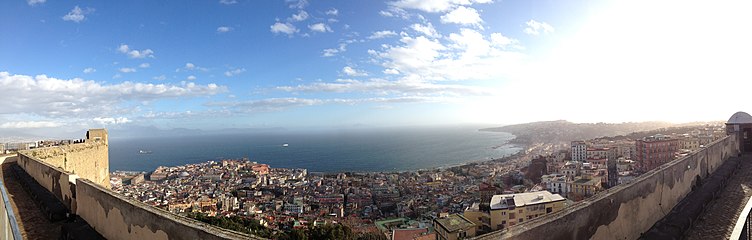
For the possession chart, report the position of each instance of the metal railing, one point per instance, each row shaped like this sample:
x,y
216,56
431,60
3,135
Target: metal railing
x,y
743,223
8,224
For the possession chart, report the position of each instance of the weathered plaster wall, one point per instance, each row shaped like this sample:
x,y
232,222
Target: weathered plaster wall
x,y
87,160
116,217
54,179
628,210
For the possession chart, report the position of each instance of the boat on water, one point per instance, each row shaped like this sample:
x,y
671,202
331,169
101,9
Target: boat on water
x,y
285,145
144,152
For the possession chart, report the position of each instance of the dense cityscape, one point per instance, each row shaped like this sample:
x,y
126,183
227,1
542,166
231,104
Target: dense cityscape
x,y
409,204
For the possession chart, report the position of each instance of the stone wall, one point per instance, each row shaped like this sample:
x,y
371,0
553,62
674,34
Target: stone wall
x,y
59,182
628,210
87,160
117,217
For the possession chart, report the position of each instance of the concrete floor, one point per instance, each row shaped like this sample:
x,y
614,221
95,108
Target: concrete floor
x,y
31,221
718,220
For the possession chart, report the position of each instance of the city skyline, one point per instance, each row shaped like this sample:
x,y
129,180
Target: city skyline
x,y
297,64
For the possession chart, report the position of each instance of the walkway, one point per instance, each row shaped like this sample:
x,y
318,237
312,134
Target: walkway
x,y
31,221
719,218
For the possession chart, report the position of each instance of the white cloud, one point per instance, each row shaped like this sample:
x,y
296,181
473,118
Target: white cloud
x,y
110,120
467,55
464,16
144,65
391,71
330,52
299,4
89,70
191,78
428,30
349,71
382,34
52,97
502,41
228,2
127,70
333,12
277,104
30,124
35,2
160,78
320,27
434,5
132,53
536,28
224,29
300,16
77,14
234,72
285,28
190,66
405,87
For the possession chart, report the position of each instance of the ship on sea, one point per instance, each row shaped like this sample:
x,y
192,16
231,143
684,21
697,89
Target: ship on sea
x,y
144,152
285,145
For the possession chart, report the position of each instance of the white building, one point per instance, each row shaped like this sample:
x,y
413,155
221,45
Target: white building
x,y
579,150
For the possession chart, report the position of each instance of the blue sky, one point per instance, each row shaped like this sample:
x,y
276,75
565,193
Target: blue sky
x,y
298,64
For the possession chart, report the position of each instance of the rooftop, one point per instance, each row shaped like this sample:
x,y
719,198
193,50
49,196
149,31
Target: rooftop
x,y
523,199
740,118
454,222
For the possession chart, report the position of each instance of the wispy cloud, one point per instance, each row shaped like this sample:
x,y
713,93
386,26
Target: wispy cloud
x,y
111,120
434,5
320,27
228,2
234,72
285,28
333,12
132,53
382,34
144,65
349,71
77,14
224,29
35,2
127,70
536,28
30,124
89,70
300,16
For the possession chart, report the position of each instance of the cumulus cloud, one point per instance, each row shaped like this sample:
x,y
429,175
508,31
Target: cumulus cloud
x,y
52,97
333,12
434,5
466,55
391,71
190,66
191,78
77,14
428,30
285,28
110,120
35,2
224,29
234,72
382,34
30,124
329,52
89,70
132,53
349,71
300,16
320,27
464,16
299,4
127,70
144,65
536,28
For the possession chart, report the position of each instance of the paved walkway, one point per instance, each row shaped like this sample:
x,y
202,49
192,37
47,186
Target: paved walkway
x,y
717,222
31,221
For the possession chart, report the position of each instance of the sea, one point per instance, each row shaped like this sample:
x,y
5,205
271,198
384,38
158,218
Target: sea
x,y
354,150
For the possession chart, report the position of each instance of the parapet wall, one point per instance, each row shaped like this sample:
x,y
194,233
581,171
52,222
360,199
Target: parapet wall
x,y
56,180
116,217
88,160
628,210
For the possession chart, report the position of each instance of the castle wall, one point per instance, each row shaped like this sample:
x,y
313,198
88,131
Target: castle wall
x,y
117,217
87,160
59,182
628,210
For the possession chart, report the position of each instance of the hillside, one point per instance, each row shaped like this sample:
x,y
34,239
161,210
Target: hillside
x,y
564,131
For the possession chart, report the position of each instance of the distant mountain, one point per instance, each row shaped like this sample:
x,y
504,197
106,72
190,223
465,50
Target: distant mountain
x,y
564,131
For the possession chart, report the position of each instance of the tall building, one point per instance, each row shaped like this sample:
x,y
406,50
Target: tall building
x,y
579,150
655,150
511,209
